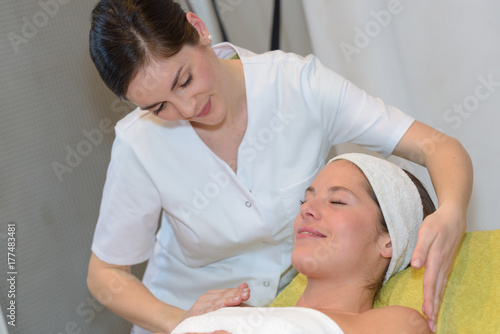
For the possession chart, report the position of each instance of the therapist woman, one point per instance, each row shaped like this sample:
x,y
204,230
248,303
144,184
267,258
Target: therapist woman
x,y
207,174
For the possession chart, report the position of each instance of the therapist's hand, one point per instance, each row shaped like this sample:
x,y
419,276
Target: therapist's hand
x,y
216,299
438,240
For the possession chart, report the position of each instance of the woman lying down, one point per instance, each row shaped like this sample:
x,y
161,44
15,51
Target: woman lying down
x,y
356,228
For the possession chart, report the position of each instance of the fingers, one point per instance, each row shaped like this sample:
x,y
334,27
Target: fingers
x,y
438,294
424,242
245,293
242,286
438,263
227,297
239,296
425,253
440,289
433,291
437,269
430,280
216,299
438,297
437,245
431,325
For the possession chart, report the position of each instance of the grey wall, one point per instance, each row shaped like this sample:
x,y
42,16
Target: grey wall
x,y
56,121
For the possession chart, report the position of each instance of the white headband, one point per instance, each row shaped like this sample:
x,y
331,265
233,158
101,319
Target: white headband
x,y
399,201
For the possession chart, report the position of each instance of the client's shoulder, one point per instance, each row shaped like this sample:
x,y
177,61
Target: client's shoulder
x,y
395,319
387,320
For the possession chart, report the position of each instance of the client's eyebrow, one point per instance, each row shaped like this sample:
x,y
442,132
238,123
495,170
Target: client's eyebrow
x,y
151,106
340,188
310,190
332,189
176,80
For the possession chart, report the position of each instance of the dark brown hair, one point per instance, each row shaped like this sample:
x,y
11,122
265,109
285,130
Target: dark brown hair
x,y
427,203
125,34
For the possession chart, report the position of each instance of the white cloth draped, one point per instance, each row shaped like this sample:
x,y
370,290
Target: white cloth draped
x,y
261,320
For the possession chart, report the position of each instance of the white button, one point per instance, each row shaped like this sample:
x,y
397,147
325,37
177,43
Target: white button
x,y
266,283
248,204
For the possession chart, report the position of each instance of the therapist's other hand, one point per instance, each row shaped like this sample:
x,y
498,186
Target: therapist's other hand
x,y
216,299
438,240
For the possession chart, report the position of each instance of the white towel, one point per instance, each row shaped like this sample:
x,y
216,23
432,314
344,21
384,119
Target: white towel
x,y
261,320
399,201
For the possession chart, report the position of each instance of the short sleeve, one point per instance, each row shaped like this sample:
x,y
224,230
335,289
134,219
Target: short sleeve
x,y
349,114
130,209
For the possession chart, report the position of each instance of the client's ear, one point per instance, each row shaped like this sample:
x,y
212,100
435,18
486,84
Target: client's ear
x,y
385,246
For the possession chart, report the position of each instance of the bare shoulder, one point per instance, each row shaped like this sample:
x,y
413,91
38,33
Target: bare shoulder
x,y
397,319
387,320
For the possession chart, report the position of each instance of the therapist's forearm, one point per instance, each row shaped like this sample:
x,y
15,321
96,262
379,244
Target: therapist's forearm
x,y
450,168
448,163
124,294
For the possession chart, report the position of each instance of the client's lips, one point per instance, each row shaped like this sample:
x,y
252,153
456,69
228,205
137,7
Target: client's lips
x,y
309,232
206,109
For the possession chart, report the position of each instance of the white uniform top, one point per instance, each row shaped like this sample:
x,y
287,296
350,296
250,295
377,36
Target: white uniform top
x,y
261,320
220,228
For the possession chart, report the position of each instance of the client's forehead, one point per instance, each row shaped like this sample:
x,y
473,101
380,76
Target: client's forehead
x,y
340,173
346,171
345,167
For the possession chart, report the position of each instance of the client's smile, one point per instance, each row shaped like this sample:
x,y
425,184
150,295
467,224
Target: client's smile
x,y
309,232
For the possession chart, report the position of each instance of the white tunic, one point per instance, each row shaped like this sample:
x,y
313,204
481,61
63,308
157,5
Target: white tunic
x,y
220,228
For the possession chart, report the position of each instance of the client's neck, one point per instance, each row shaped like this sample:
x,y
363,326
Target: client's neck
x,y
341,297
